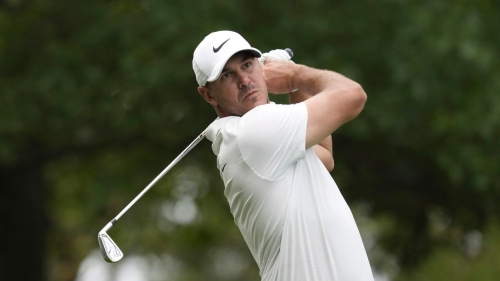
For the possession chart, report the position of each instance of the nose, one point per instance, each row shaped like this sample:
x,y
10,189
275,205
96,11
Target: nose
x,y
243,80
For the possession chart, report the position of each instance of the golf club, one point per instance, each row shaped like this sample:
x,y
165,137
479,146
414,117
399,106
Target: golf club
x,y
110,251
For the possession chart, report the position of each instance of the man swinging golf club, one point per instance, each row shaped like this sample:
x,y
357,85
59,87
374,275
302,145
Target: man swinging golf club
x,y
274,159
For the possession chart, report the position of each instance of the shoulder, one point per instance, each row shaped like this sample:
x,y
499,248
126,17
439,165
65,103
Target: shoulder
x,y
270,123
271,114
226,123
274,109
272,137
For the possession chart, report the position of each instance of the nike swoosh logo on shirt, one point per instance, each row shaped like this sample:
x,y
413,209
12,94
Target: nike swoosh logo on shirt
x,y
224,167
218,48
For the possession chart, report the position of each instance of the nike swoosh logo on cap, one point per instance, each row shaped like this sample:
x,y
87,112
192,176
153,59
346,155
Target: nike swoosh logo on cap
x,y
218,48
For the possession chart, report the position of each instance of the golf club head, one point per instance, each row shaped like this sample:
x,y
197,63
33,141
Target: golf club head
x,y
110,252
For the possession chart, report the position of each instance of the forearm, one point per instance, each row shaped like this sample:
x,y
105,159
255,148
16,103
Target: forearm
x,y
311,81
335,100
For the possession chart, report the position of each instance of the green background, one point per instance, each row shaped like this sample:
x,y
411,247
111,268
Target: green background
x,y
97,97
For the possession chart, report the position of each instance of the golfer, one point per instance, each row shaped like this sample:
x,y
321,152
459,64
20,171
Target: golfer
x,y
275,159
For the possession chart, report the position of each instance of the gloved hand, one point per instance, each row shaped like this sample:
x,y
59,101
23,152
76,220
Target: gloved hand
x,y
278,54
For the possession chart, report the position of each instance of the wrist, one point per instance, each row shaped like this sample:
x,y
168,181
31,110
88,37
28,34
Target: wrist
x,y
298,96
297,77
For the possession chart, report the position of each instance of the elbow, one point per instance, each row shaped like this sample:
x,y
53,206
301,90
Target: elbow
x,y
330,165
358,99
328,162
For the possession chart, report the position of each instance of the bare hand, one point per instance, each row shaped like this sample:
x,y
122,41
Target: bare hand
x,y
279,76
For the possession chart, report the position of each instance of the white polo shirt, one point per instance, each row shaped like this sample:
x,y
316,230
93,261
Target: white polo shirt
x,y
287,206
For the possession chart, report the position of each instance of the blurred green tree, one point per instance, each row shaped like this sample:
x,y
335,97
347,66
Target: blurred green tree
x,y
98,96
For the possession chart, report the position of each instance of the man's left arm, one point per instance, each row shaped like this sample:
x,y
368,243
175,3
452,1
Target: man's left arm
x,y
324,149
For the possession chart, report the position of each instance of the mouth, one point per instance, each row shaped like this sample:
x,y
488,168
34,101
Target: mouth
x,y
250,93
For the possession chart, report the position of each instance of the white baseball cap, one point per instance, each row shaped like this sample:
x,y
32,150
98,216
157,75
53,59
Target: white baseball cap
x,y
214,51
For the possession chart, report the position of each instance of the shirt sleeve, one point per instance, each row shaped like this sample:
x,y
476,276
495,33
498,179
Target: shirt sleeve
x,y
272,138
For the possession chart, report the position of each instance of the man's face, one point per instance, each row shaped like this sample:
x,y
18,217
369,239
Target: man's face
x,y
240,87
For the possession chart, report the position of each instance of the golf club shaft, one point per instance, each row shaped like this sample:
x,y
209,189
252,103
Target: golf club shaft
x,y
176,160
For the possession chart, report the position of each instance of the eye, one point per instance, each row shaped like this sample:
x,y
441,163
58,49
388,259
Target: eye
x,y
247,64
225,75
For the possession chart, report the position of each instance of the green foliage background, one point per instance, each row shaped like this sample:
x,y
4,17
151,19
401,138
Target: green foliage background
x,y
96,97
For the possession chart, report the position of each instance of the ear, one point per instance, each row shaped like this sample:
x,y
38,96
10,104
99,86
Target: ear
x,y
207,95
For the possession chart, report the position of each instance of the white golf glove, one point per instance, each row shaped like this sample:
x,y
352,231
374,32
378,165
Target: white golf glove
x,y
278,54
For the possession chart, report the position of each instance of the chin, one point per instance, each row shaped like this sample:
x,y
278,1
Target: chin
x,y
254,105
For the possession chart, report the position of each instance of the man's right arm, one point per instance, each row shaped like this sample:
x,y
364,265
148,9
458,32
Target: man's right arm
x,y
335,99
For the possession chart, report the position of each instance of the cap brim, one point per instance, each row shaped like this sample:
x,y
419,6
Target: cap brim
x,y
216,71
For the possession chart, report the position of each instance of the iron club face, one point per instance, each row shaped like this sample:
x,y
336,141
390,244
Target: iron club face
x,y
109,249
